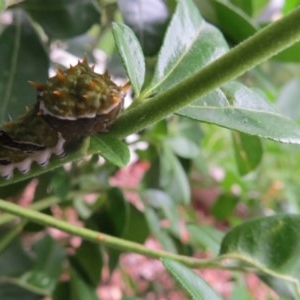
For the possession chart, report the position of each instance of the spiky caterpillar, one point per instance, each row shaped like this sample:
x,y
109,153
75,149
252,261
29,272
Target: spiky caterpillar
x,y
71,105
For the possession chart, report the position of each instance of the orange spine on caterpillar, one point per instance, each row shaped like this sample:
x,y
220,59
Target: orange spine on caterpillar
x,y
71,105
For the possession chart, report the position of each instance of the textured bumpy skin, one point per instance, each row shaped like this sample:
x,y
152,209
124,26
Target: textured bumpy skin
x,y
71,105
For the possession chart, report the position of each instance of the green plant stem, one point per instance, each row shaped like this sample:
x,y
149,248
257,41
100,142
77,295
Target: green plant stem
x,y
40,205
101,238
256,49
262,269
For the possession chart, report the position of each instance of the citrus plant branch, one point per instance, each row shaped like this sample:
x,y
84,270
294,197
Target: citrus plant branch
x,y
256,49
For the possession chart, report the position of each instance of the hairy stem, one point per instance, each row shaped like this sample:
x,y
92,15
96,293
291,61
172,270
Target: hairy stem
x,y
256,49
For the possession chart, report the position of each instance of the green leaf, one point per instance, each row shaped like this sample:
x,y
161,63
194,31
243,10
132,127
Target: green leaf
x,y
173,178
189,44
291,54
224,206
47,267
188,129
88,262
119,218
290,5
112,149
14,260
248,151
12,190
118,206
240,292
13,292
114,257
62,291
259,7
38,274
234,22
160,200
246,6
125,217
236,107
60,184
49,255
272,242
65,18
2,5
22,58
205,237
288,99
148,19
183,146
269,244
136,219
80,290
104,217
131,54
207,10
157,231
231,179
193,284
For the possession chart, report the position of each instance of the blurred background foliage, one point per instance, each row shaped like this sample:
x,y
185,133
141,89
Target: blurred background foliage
x,y
187,182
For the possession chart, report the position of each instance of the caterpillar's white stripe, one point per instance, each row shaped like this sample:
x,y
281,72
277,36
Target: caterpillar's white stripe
x,y
40,157
46,111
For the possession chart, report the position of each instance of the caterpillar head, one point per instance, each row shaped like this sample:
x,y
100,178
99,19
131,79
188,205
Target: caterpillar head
x,y
78,102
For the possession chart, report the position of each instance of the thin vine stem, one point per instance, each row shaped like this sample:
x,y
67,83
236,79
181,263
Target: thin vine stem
x,y
40,205
262,269
101,238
